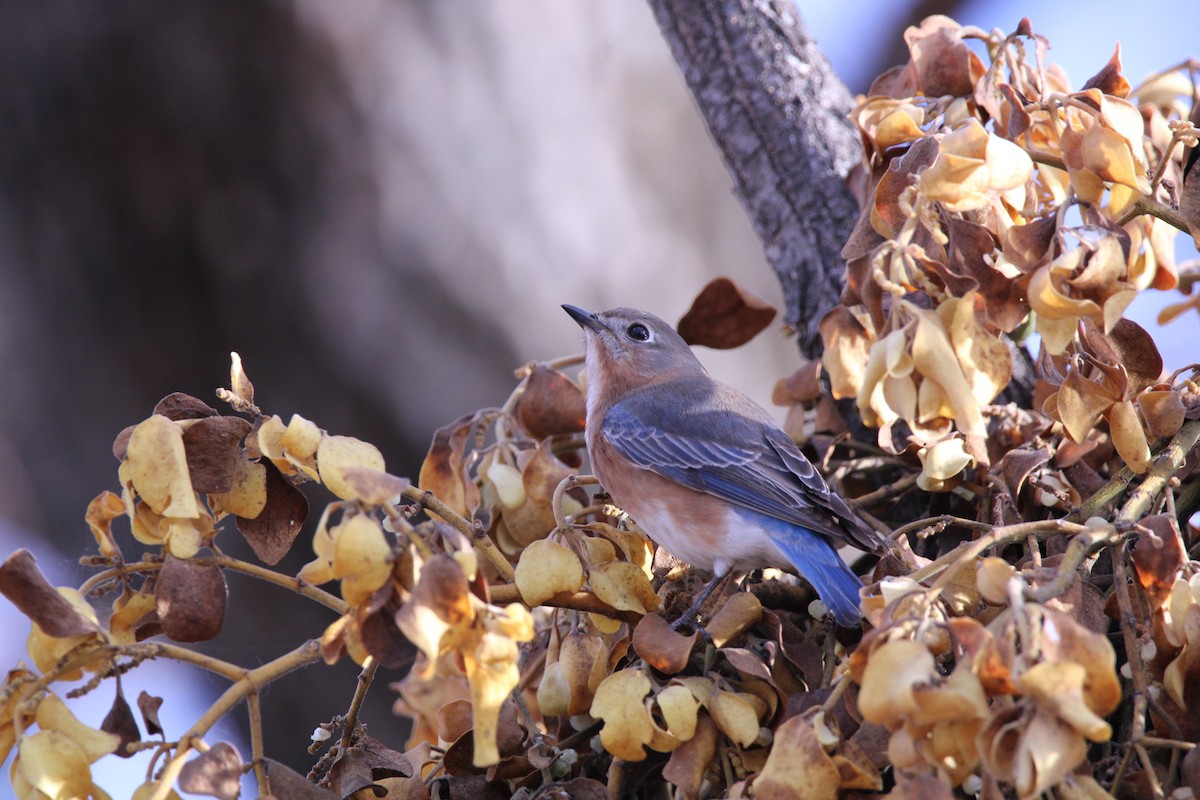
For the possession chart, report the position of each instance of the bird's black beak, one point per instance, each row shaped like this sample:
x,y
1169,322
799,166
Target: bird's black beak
x,y
586,319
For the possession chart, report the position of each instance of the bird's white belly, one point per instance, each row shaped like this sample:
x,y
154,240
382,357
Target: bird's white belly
x,y
727,543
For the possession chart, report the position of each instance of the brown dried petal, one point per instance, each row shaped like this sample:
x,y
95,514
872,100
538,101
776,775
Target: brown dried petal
x,y
724,316
802,386
691,760
120,721
797,759
943,62
179,406
287,784
736,616
217,773
213,445
1138,353
148,704
1017,463
26,588
1158,557
101,512
441,472
191,599
661,647
550,404
1163,411
273,531
1109,79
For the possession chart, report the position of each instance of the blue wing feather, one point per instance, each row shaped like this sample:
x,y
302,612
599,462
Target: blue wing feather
x,y
710,438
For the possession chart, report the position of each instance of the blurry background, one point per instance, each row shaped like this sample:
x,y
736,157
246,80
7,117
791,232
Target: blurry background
x,y
381,206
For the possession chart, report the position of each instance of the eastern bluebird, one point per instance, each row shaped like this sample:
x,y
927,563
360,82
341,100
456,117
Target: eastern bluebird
x,y
704,470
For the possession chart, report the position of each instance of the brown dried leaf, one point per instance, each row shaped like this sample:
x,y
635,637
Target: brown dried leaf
x,y
920,787
1081,403
661,647
1028,246
550,404
27,588
216,773
724,316
545,569
892,671
1065,639
533,517
1018,463
802,386
191,599
247,496
276,527
440,602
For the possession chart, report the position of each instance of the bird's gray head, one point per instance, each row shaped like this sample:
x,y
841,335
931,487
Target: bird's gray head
x,y
628,348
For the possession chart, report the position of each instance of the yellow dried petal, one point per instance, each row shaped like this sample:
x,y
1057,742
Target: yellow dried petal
x,y
54,765
798,768
627,724
545,569
158,468
248,495
1128,437
935,359
941,462
362,557
892,671
509,485
680,711
734,715
623,586
337,454
53,715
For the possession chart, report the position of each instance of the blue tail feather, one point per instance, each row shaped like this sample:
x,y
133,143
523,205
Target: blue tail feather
x,y
818,562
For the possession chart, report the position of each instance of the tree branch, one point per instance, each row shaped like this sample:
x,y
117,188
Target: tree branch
x,y
778,114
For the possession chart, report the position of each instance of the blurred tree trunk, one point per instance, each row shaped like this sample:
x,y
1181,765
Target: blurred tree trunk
x,y
779,116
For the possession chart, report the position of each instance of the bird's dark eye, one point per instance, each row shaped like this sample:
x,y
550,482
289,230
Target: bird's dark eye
x,y
638,332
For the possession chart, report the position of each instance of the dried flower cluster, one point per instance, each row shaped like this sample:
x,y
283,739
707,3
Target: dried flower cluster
x,y
1002,202
1035,630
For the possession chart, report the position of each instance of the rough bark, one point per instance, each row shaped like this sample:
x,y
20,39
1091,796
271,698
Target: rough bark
x,y
778,114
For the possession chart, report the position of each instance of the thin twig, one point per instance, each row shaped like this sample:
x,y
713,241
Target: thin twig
x,y
360,692
502,594
474,533
226,562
